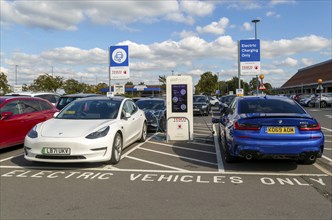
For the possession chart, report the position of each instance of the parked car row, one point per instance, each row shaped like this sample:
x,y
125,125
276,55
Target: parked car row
x,y
322,100
269,127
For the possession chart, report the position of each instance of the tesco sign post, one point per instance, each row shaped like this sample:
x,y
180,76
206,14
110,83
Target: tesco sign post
x,y
119,62
249,56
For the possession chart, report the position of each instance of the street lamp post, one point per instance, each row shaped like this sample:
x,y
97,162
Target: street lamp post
x,y
52,70
256,21
172,72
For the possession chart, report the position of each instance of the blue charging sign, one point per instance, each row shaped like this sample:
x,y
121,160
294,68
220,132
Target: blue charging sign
x,y
250,51
119,56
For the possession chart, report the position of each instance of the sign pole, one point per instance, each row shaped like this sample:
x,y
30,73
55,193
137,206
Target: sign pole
x,y
109,69
238,63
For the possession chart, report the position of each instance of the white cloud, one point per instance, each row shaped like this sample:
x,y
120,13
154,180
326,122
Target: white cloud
x,y
272,14
198,8
247,26
184,34
67,14
290,62
279,2
297,45
215,27
190,55
307,62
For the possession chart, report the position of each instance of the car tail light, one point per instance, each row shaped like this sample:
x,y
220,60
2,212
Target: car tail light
x,y
310,127
239,126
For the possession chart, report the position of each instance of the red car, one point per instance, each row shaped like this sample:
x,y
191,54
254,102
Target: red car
x,y
18,114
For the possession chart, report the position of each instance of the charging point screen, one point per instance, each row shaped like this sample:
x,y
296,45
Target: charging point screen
x,y
179,98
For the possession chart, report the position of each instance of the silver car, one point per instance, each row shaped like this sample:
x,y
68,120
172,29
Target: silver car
x,y
323,100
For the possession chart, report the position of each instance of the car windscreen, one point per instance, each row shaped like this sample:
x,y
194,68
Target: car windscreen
x,y
151,104
199,99
269,106
91,109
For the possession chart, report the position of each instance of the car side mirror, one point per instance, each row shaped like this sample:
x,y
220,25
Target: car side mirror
x,y
223,108
5,115
126,115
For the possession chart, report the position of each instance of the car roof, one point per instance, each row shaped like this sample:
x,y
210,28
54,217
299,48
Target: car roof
x,y
151,98
81,95
270,97
118,98
5,98
30,93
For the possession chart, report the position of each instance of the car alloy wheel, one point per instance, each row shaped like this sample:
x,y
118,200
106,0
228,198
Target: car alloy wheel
x,y
116,149
144,133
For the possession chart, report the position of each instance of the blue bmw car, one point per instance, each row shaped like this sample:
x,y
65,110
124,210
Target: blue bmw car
x,y
269,127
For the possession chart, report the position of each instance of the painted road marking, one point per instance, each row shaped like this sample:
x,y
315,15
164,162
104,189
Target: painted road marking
x,y
157,164
326,158
8,158
177,156
184,148
221,168
326,129
170,171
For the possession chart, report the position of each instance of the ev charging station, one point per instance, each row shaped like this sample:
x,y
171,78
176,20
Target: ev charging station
x,y
179,100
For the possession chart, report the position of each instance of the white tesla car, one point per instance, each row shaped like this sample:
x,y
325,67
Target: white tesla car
x,y
91,129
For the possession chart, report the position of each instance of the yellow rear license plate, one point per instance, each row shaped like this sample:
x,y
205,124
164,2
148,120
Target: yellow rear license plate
x,y
280,130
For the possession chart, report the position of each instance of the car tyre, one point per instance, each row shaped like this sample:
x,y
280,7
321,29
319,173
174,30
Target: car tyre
x,y
228,157
144,133
116,149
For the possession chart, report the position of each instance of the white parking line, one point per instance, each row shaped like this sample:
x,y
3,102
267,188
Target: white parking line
x,y
181,157
326,129
134,148
323,169
219,159
157,164
8,158
326,158
184,148
327,148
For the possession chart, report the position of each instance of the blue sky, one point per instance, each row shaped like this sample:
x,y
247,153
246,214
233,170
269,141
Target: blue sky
x,y
189,37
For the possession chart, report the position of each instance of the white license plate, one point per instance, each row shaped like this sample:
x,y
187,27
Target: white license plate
x,y
55,151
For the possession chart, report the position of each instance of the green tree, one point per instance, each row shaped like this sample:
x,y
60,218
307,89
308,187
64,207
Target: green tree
x,y
162,80
46,83
4,87
129,83
72,86
207,84
99,87
141,83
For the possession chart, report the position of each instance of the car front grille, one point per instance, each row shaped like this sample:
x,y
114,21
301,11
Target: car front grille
x,y
60,157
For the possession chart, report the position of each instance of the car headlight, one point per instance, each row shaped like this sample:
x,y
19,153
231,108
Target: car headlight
x,y
204,106
33,132
98,134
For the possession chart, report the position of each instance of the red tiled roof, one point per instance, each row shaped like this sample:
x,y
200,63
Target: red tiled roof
x,y
311,74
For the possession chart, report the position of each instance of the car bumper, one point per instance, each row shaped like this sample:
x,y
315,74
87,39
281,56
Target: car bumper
x,y
81,150
278,149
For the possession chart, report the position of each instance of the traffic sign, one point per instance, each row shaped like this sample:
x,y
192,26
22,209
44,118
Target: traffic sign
x,y
261,87
249,57
119,62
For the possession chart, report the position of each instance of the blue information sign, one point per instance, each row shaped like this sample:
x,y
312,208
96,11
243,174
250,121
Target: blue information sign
x,y
119,56
250,51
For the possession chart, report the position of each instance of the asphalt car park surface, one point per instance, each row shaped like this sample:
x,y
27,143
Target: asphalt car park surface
x,y
169,180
